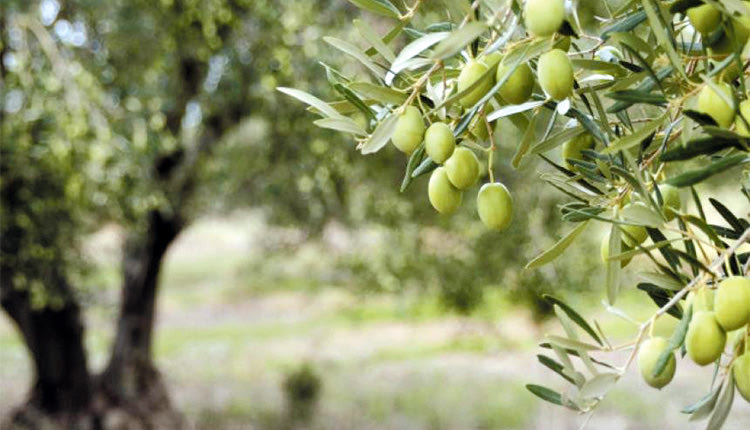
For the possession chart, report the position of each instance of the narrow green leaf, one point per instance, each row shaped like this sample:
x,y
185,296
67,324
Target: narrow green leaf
x,y
380,7
675,341
558,248
311,100
660,31
458,40
357,54
344,124
570,343
723,404
380,136
379,93
555,366
699,175
369,35
523,146
545,393
636,137
599,385
574,316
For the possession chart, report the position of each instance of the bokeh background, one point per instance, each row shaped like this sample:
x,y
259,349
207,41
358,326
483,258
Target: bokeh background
x,y
304,291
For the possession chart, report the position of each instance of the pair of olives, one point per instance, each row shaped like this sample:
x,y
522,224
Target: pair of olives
x,y
715,314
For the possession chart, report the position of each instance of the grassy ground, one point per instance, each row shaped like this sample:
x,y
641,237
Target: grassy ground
x,y
227,336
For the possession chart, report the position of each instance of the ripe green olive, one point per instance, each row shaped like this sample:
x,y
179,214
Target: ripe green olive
x,y
741,369
705,340
409,130
633,235
517,89
672,202
462,168
543,17
495,206
555,74
492,59
439,142
648,355
701,300
604,250
444,197
573,147
715,105
739,124
705,18
733,303
471,72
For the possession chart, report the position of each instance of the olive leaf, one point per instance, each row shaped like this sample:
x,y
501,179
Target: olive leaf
x,y
675,341
699,175
574,316
379,138
558,248
307,98
599,385
380,7
723,404
458,40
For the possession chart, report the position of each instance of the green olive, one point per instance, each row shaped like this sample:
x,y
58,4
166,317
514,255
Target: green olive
x,y
701,300
462,168
472,72
555,74
517,89
733,303
648,356
633,235
439,142
705,18
444,197
495,206
705,339
573,147
604,250
739,124
409,130
491,60
672,202
715,105
543,17
741,369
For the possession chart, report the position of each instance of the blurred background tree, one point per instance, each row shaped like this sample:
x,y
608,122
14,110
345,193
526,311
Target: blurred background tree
x,y
148,114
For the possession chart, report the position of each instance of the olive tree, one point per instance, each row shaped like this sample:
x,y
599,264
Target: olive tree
x,y
647,102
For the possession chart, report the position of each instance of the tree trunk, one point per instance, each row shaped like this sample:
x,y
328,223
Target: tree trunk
x,y
130,377
54,336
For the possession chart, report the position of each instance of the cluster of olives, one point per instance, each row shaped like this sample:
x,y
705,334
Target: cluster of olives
x,y
458,170
715,313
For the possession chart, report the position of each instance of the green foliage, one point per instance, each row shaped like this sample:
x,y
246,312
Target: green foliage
x,y
659,101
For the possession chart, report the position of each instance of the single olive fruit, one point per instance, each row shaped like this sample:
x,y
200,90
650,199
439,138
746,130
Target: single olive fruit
x,y
715,105
671,198
439,142
705,340
492,59
478,129
462,168
733,302
555,74
444,197
573,147
495,206
705,18
648,355
633,235
473,71
517,89
543,17
739,124
741,369
409,130
701,300
604,250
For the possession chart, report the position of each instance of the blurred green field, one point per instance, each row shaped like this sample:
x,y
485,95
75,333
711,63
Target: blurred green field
x,y
235,317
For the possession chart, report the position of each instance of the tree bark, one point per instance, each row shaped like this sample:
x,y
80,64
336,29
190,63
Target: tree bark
x,y
130,375
54,337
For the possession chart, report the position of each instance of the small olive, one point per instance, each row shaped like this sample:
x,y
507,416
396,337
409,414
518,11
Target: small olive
x,y
705,340
470,73
633,235
495,206
741,369
492,59
439,142
462,168
671,198
409,130
715,105
739,124
733,302
555,74
444,197
701,300
478,129
517,89
543,17
705,18
648,356
572,148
